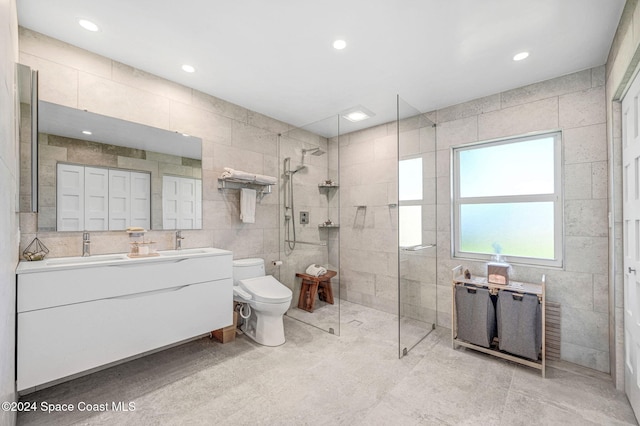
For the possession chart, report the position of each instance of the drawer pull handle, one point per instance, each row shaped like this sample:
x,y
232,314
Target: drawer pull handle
x,y
136,264
149,293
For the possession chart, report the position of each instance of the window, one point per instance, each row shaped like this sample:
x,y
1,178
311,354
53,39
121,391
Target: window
x,y
410,196
507,198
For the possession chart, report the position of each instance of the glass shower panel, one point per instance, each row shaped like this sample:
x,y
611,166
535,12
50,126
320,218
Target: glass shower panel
x,y
309,222
417,266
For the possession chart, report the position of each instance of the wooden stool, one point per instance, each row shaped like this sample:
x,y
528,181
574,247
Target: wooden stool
x,y
311,285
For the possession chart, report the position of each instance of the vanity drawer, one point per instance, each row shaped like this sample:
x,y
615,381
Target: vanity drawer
x,y
59,342
40,290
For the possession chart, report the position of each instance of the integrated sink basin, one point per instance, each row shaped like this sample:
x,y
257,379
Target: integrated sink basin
x,y
85,260
184,252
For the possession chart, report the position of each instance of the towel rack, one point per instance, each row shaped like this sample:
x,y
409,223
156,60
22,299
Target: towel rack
x,y
226,183
417,248
390,205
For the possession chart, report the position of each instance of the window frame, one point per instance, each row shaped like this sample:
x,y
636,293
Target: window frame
x,y
557,198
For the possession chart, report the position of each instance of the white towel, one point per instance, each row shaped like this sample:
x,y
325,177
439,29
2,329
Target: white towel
x,y
316,270
249,177
248,205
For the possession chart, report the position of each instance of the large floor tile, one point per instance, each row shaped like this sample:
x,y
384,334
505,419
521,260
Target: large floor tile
x,y
317,378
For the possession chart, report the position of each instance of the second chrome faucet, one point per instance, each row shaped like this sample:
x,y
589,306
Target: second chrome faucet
x,y
179,239
86,244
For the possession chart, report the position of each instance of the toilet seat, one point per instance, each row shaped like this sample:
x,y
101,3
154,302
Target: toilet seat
x,y
267,289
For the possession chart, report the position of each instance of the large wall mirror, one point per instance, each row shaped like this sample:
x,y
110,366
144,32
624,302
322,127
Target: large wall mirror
x,y
101,173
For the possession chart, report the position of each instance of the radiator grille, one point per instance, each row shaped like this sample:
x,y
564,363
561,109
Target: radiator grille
x,y
552,335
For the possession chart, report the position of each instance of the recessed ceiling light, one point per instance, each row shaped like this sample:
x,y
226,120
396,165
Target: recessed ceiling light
x,y
188,68
356,116
339,44
88,25
520,56
357,113
86,132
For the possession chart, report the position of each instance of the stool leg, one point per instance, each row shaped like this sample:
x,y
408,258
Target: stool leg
x,y
307,302
321,293
313,290
328,292
304,288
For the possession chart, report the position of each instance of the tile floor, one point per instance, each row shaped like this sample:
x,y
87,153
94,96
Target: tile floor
x,y
319,379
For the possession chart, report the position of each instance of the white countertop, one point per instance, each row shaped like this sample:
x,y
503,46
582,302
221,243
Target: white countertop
x,y
62,263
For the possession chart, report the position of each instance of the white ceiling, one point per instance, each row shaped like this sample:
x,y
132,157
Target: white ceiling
x,y
276,57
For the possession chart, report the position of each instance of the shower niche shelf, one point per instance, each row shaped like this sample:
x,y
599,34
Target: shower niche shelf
x,y
331,225
328,185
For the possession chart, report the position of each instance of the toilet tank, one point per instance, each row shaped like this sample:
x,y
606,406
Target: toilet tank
x,y
247,268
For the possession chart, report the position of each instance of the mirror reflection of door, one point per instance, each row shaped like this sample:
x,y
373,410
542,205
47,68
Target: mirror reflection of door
x,y
100,199
180,203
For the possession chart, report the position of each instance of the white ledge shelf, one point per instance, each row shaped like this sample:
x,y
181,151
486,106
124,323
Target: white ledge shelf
x,y
333,225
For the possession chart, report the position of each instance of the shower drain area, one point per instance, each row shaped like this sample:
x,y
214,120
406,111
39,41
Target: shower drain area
x,y
355,323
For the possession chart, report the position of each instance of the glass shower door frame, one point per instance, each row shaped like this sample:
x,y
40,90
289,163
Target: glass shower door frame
x,y
416,218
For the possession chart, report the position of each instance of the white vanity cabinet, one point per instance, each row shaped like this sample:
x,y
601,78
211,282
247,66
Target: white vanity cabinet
x,y
73,318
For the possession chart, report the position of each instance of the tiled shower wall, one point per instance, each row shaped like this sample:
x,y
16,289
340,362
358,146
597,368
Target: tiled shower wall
x,y
232,137
369,216
368,220
313,245
9,175
575,104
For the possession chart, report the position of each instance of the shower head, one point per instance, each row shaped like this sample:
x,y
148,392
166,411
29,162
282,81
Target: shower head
x,y
314,151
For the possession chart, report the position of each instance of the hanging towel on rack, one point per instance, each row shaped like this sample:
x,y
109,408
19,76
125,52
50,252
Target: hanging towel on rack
x,y
248,205
230,173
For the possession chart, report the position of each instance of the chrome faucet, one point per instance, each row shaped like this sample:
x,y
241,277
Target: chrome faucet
x,y
86,245
179,239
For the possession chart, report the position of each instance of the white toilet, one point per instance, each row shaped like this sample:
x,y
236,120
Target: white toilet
x,y
268,298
